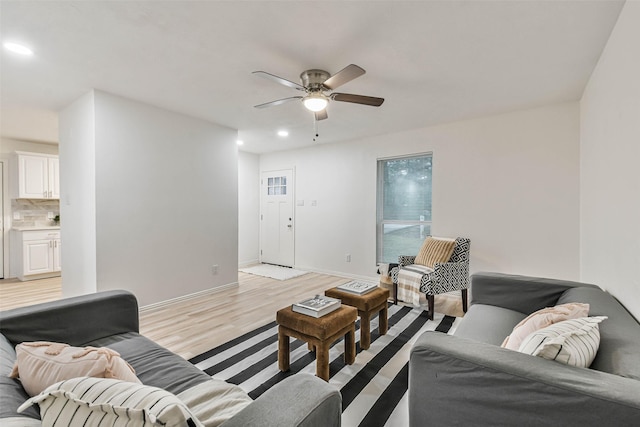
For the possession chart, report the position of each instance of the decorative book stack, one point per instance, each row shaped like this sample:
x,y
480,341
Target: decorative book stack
x,y
358,288
317,306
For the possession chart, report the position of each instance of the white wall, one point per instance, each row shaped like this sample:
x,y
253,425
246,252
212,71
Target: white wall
x,y
166,203
248,208
609,155
509,182
78,196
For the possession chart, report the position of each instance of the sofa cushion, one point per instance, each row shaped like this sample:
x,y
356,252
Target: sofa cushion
x,y
41,364
488,323
573,342
102,402
543,318
619,335
154,365
435,250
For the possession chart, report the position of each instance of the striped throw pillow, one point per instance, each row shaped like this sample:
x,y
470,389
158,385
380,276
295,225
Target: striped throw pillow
x,y
101,402
435,250
573,342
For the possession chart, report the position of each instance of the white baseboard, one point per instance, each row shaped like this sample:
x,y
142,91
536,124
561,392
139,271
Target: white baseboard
x,y
370,279
250,263
188,297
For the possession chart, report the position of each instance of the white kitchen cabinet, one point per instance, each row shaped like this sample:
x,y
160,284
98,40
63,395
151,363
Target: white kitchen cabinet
x,y
57,262
37,257
37,253
54,177
38,176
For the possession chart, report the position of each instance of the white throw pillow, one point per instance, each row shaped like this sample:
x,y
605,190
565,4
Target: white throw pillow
x,y
573,342
101,402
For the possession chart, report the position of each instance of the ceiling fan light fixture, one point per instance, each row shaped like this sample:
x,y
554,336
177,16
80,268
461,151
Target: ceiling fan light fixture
x,y
18,48
315,102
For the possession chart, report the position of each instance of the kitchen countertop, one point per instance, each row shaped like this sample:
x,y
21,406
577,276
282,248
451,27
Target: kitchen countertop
x,y
35,228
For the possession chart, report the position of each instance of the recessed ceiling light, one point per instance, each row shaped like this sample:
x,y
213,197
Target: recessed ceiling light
x,y
283,133
240,142
18,48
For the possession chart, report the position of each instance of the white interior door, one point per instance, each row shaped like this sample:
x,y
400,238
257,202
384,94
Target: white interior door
x,y
277,221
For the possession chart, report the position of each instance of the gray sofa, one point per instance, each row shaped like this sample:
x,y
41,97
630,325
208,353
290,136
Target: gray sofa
x,y
110,319
468,379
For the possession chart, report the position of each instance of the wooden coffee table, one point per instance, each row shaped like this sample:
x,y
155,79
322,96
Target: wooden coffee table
x,y
319,333
368,305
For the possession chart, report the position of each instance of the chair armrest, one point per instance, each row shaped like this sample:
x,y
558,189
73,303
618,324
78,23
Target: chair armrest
x,y
300,400
506,290
406,260
458,381
75,321
455,273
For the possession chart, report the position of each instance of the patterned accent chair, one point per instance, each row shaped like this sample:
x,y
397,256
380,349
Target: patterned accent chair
x,y
445,277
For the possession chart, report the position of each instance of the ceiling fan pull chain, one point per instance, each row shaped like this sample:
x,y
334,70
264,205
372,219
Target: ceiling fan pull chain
x,y
315,128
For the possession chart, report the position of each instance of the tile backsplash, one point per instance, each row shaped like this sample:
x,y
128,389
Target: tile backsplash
x,y
33,213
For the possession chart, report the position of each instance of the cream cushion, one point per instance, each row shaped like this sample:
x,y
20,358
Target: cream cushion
x,y
573,342
215,401
40,364
543,318
102,402
435,250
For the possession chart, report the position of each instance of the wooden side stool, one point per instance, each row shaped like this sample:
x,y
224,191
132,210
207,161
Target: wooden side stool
x,y
318,332
368,305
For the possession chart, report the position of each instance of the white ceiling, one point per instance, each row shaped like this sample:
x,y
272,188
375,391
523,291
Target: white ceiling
x,y
432,61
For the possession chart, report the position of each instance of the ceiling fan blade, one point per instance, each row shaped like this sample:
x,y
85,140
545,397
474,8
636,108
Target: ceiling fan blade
x,y
343,76
278,102
321,115
279,80
357,99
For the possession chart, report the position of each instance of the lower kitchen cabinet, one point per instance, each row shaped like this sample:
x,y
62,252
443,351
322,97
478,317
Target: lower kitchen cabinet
x,y
37,253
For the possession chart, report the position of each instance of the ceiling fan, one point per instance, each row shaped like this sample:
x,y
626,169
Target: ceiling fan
x,y
318,86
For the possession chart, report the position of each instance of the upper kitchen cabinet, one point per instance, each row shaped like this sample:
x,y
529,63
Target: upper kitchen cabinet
x,y
38,176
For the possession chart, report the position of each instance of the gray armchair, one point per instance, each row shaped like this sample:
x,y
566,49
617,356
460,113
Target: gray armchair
x,y
445,277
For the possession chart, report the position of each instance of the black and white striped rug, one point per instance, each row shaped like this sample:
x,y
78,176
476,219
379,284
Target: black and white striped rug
x,y
374,388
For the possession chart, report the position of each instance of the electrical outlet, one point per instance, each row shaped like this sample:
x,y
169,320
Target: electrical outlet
x,y
17,216
347,257
214,269
50,215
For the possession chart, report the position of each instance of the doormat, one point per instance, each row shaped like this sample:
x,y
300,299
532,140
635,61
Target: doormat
x,y
273,271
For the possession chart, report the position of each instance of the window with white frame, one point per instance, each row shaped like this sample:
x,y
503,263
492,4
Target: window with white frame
x,y
277,186
404,205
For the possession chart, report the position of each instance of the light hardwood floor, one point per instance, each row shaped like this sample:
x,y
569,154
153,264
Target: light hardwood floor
x,y
195,325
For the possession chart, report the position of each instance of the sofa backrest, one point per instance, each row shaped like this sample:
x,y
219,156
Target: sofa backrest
x,y
74,321
534,293
619,351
